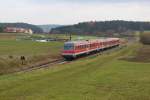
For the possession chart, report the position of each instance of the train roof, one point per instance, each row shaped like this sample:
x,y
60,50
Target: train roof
x,y
77,42
82,42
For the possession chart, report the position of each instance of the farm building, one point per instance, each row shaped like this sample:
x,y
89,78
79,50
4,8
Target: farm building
x,y
17,30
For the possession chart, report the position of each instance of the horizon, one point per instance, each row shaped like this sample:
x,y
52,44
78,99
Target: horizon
x,y
66,12
78,22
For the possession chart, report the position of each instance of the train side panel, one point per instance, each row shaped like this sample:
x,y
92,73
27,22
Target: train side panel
x,y
76,48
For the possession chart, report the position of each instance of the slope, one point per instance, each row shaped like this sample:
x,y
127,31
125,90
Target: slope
x,y
104,77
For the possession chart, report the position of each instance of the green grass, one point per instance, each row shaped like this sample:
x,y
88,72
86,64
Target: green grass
x,y
12,50
28,47
55,36
104,77
74,37
10,36
14,45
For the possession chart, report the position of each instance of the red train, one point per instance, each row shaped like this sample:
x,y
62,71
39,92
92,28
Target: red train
x,y
74,49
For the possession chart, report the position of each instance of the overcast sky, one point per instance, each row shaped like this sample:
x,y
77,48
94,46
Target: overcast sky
x,y
73,11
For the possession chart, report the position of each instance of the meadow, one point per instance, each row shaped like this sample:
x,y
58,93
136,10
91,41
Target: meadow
x,y
122,74
15,45
12,48
103,77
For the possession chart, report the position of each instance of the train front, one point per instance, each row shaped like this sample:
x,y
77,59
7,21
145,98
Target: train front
x,y
69,50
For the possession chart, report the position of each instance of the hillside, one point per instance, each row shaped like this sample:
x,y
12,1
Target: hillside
x,y
13,46
35,28
104,28
104,77
47,28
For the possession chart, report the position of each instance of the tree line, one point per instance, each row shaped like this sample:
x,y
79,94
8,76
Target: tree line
x,y
103,27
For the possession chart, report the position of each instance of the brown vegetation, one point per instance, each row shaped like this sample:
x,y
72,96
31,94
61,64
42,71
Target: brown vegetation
x,y
145,38
141,55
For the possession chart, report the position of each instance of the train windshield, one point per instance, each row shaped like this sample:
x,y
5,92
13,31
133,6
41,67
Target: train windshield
x,y
69,47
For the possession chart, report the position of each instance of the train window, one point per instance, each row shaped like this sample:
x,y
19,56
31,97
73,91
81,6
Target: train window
x,y
77,47
82,46
68,47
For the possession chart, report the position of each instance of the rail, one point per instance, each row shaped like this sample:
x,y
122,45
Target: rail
x,y
61,61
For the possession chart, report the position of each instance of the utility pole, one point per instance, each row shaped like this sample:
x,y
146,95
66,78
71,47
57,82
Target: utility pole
x,y
70,37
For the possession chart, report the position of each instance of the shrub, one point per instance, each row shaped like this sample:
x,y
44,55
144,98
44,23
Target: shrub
x,y
145,38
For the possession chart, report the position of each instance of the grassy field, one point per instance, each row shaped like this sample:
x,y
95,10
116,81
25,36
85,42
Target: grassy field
x,y
11,49
22,36
103,77
15,45
74,37
9,36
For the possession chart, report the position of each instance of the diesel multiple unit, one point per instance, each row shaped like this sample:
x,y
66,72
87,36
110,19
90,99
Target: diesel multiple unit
x,y
74,49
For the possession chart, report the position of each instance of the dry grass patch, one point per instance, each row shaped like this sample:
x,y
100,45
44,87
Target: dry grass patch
x,y
140,55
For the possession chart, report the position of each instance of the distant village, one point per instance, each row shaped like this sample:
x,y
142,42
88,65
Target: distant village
x,y
17,30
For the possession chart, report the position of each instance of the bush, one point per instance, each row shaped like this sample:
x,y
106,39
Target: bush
x,y
1,29
145,38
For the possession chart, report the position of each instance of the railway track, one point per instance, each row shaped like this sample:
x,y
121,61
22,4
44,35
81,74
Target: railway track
x,y
46,65
62,61
42,65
